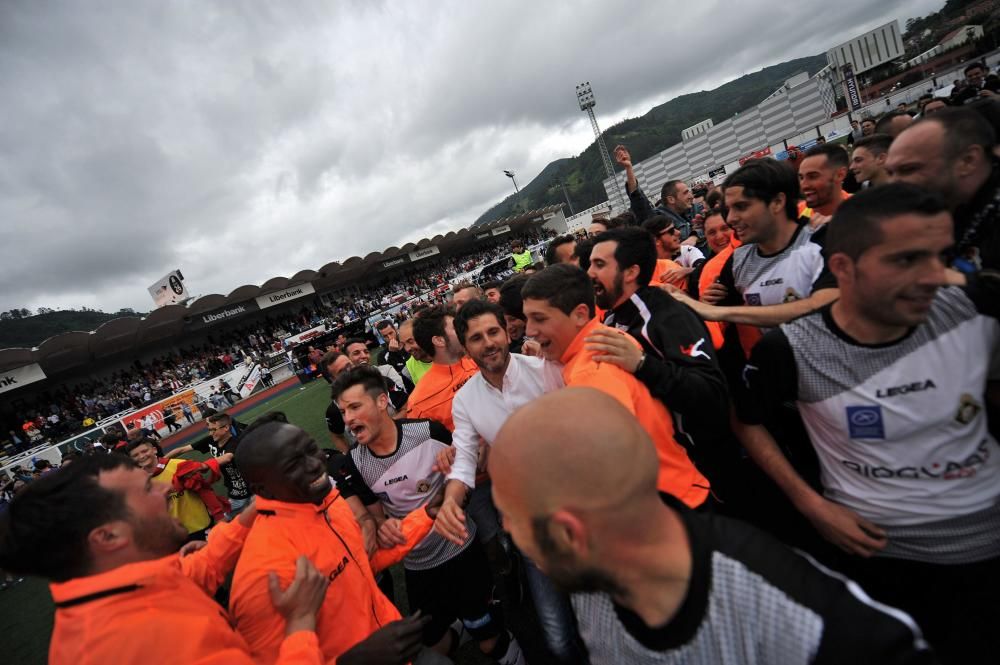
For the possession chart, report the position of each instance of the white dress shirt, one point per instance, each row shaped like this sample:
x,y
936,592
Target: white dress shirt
x,y
480,410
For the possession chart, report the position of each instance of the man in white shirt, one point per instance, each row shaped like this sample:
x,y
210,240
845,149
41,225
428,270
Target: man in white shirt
x,y
506,381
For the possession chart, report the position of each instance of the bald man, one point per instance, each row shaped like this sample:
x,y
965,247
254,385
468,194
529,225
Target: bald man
x,y
658,583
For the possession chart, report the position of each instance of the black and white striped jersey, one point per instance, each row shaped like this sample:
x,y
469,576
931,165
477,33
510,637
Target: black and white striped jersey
x,y
403,482
751,600
900,429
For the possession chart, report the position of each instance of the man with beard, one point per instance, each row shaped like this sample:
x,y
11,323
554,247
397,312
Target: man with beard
x,y
891,383
559,304
185,505
653,582
950,153
419,362
391,353
821,178
677,201
434,331
491,291
99,529
675,359
445,580
299,510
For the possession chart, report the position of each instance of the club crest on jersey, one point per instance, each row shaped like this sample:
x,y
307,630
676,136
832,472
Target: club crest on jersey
x,y
752,299
865,422
968,409
791,295
423,486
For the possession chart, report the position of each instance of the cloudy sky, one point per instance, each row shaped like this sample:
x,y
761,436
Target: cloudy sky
x,y
242,140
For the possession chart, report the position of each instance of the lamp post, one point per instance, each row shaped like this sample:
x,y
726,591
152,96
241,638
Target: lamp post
x,y
517,192
585,95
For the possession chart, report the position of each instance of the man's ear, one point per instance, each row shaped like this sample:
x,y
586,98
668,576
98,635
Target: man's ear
x,y
631,274
580,315
569,534
439,341
110,537
382,401
842,267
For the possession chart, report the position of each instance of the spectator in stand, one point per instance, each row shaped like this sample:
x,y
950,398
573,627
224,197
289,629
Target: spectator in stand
x,y
520,255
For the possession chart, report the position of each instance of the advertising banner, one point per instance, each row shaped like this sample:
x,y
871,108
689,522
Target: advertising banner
x,y
169,289
304,336
221,315
279,297
12,379
500,230
173,403
756,155
851,88
250,382
424,253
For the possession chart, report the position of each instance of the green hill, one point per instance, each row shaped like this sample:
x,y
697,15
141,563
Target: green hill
x,y
647,135
33,330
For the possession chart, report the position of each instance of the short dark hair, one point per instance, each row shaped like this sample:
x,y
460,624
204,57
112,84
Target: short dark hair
x,y
474,310
635,248
46,527
869,119
974,65
876,144
669,189
220,417
963,128
510,296
582,252
627,218
563,286
328,358
557,242
144,441
365,376
428,325
491,285
657,224
856,226
383,324
884,123
355,340
835,155
764,179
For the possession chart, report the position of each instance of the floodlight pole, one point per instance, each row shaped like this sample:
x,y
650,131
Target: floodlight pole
x,y
517,192
585,95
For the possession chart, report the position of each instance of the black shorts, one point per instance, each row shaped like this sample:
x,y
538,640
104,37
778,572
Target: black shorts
x,y
457,589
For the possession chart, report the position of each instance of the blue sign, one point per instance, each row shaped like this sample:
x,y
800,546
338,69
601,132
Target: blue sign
x,y
851,86
865,422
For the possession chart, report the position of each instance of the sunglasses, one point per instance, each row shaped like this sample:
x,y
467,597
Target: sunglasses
x,y
672,229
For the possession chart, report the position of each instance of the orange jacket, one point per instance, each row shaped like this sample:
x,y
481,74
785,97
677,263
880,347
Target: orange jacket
x,y
709,273
662,267
678,476
433,395
161,610
330,536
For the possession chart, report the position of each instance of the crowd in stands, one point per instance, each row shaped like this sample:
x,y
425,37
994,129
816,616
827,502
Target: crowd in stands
x,y
71,408
754,423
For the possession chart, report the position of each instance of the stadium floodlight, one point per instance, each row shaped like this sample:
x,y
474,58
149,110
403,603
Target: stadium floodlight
x,y
585,96
517,192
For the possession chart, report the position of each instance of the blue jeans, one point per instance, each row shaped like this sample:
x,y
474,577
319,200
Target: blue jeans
x,y
237,505
555,617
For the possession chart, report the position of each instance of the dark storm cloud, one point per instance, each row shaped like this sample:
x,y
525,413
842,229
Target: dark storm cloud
x,y
238,141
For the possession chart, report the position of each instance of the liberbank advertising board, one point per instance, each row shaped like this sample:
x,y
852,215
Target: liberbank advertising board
x,y
280,297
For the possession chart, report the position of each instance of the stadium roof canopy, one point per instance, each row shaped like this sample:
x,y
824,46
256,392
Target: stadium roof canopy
x,y
71,350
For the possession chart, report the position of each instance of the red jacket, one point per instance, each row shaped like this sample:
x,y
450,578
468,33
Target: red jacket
x,y
330,536
161,611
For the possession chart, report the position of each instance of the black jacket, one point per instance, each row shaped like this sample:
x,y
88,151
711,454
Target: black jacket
x,y
680,369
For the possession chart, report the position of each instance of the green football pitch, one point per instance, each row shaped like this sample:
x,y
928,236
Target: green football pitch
x,y
26,610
